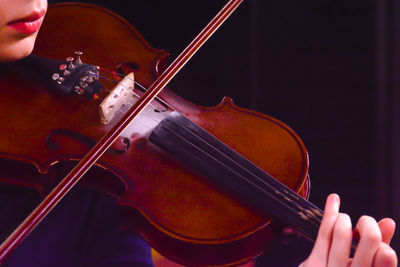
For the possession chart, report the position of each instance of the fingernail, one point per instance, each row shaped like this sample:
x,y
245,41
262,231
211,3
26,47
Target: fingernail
x,y
336,200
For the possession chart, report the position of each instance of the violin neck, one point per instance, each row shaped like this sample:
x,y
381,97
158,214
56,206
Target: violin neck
x,y
234,174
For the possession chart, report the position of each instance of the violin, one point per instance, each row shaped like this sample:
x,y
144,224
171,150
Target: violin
x,y
202,185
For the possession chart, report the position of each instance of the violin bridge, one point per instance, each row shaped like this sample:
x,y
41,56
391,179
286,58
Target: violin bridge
x,y
120,97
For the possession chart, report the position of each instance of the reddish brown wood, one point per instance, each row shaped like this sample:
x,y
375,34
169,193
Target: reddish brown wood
x,y
178,211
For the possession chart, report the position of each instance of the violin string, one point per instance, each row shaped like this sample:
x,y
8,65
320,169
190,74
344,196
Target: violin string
x,y
137,95
316,218
130,104
315,224
298,204
139,122
134,93
294,197
136,83
144,113
115,74
278,184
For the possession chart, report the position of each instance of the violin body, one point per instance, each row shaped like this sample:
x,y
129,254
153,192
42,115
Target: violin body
x,y
176,209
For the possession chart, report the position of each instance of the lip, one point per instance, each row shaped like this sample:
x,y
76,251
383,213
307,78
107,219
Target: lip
x,y
29,24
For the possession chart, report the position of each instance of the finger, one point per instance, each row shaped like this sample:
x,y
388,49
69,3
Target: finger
x,y
370,240
349,263
387,227
341,242
385,256
322,245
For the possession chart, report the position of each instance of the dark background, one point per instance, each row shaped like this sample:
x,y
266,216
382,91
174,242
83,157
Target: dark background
x,y
328,69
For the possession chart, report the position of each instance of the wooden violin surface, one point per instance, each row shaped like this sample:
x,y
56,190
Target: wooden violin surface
x,y
178,210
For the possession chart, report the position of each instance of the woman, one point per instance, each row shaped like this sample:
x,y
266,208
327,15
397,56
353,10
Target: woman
x,y
20,21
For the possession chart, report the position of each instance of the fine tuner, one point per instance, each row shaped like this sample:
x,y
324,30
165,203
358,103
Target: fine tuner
x,y
76,77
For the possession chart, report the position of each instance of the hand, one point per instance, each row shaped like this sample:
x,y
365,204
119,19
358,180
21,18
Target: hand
x,y
332,247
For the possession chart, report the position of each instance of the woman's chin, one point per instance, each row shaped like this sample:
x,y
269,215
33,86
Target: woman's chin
x,y
12,51
13,57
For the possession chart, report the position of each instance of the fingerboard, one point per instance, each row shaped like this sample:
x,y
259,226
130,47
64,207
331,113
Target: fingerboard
x,y
233,173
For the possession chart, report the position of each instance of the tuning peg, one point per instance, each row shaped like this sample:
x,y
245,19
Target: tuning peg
x,y
87,79
60,80
71,65
79,90
62,67
55,76
94,73
83,85
78,57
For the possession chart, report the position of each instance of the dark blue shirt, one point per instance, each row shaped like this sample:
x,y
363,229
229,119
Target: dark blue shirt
x,y
83,230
